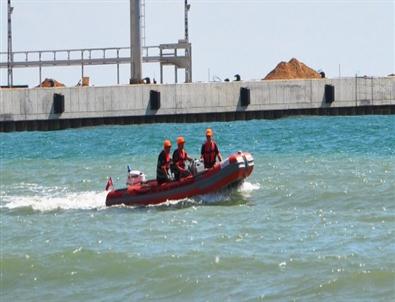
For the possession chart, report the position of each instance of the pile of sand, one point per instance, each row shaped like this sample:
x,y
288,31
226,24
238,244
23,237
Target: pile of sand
x,y
51,83
292,70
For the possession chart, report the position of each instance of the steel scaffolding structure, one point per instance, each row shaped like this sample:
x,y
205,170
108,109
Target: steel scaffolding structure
x,y
175,54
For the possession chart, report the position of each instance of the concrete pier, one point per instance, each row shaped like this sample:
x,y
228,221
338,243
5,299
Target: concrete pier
x,y
37,109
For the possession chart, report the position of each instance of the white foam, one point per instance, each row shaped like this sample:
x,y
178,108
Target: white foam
x,y
213,198
247,187
172,202
45,203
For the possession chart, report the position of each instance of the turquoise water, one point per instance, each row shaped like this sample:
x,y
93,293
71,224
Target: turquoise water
x,y
314,222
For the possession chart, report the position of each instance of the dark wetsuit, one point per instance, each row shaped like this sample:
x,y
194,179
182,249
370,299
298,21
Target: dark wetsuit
x,y
163,160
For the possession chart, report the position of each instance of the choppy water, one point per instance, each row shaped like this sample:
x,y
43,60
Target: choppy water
x,y
315,221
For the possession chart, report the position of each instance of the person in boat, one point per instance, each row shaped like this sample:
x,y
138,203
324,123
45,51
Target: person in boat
x,y
179,158
209,151
163,166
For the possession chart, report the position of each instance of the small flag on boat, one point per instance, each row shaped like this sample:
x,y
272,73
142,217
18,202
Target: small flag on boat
x,y
109,185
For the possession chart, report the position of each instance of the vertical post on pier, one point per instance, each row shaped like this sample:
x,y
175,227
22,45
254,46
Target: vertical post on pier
x,y
39,68
188,71
118,66
82,65
39,75
175,68
135,42
161,73
161,65
9,53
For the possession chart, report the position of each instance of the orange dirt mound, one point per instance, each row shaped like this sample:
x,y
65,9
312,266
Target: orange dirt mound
x,y
292,70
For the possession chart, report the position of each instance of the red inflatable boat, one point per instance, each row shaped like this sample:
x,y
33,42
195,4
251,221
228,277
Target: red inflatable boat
x,y
229,172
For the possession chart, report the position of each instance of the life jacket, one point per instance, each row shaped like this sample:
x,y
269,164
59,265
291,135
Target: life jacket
x,y
179,157
209,153
167,160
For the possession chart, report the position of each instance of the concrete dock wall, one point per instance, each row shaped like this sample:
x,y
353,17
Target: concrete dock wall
x,y
33,109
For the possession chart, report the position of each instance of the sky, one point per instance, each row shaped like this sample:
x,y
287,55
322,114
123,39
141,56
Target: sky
x,y
250,37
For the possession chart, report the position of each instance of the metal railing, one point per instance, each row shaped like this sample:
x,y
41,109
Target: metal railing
x,y
167,54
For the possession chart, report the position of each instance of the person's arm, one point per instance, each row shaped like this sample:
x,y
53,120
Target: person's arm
x,y
179,167
164,171
163,165
202,152
176,161
219,156
175,158
188,157
218,153
177,164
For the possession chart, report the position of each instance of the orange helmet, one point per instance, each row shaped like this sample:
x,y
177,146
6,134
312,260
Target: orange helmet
x,y
209,132
180,140
166,143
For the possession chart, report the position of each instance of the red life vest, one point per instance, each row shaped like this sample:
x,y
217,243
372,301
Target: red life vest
x,y
182,156
209,154
168,159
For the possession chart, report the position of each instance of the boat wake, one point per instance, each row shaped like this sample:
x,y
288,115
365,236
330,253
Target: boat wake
x,y
44,199
229,197
46,202
232,196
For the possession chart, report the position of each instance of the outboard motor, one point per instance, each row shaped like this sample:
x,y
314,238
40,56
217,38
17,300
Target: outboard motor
x,y
196,167
135,177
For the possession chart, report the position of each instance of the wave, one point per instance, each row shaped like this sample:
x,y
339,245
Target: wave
x,y
213,271
46,203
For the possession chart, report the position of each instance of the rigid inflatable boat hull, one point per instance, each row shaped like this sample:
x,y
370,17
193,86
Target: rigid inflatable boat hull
x,y
228,173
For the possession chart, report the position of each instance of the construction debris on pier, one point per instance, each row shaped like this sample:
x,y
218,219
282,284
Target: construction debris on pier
x,y
294,69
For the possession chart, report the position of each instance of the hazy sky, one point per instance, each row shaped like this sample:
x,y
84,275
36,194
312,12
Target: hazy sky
x,y
246,37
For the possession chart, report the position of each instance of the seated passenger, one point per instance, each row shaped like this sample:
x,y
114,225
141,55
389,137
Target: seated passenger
x,y
179,158
163,166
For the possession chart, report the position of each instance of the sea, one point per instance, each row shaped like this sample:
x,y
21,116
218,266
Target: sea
x,y
314,222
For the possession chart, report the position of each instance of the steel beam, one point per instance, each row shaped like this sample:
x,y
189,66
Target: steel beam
x,y
135,42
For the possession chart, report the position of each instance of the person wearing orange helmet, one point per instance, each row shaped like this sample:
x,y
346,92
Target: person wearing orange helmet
x,y
209,151
163,166
179,158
